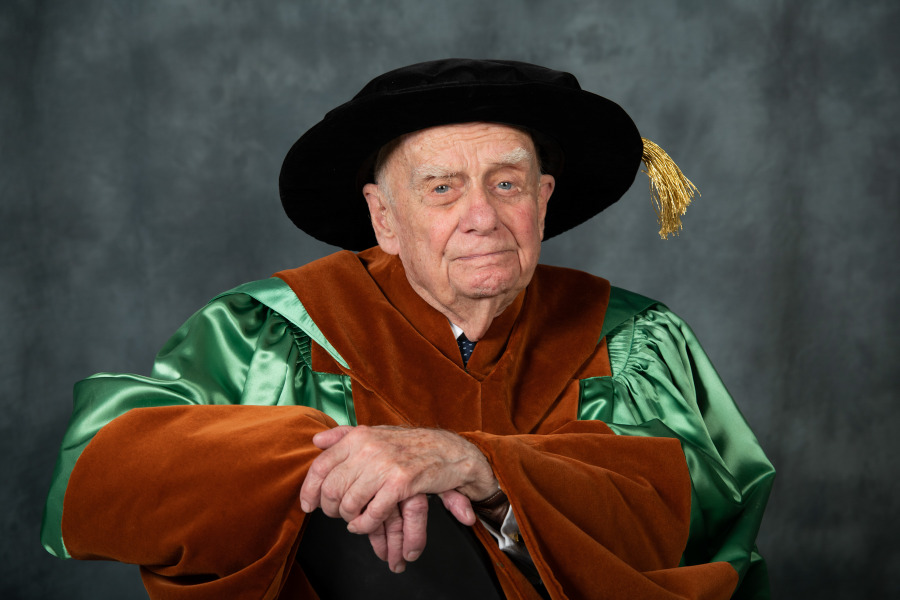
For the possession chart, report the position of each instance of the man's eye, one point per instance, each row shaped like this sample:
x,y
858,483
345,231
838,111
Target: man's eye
x,y
442,189
505,185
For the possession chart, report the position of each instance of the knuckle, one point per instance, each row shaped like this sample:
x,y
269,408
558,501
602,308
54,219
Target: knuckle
x,y
377,513
350,505
331,489
318,469
356,498
395,531
415,510
360,431
401,481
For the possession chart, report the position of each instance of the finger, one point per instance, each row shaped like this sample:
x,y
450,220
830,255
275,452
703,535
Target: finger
x,y
320,468
356,496
378,540
379,508
393,532
414,513
328,438
333,491
459,506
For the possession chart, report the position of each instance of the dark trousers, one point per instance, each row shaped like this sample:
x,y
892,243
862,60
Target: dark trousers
x,y
342,566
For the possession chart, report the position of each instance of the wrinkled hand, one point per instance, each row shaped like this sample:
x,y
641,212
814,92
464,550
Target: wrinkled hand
x,y
402,536
376,478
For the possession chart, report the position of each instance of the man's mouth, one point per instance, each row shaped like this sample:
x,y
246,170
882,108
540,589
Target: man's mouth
x,y
483,255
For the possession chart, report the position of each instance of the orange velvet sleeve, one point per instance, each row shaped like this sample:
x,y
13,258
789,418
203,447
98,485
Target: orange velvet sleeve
x,y
205,498
603,516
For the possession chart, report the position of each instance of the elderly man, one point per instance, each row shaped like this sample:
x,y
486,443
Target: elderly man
x,y
577,428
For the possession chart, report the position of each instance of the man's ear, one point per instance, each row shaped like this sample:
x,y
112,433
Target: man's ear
x,y
382,218
545,190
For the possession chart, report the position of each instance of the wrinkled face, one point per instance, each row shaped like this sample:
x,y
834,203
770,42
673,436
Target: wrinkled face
x,y
463,206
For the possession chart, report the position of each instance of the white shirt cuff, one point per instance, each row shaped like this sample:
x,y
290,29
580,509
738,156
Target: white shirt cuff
x,y
509,538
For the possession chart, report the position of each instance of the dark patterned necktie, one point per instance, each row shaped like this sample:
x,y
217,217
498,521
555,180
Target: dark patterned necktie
x,y
465,347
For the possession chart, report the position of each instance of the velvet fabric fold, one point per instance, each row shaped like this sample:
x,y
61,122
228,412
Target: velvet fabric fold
x,y
190,503
603,516
575,486
405,363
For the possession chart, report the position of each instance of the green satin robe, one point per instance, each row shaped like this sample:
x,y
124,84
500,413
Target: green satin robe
x,y
251,346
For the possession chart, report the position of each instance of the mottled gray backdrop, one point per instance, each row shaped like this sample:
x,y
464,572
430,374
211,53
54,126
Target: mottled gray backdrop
x,y
140,143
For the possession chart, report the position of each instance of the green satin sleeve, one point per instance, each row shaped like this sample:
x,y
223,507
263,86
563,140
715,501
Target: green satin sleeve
x,y
664,385
248,346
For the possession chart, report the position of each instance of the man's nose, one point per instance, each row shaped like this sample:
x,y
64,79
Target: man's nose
x,y
480,211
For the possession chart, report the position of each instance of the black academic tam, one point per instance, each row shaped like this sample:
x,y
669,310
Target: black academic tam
x,y
589,143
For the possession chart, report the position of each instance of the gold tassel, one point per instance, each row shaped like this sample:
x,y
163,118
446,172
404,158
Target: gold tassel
x,y
670,191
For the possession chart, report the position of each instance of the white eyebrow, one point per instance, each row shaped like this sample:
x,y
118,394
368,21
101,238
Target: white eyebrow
x,y
426,172
431,172
514,157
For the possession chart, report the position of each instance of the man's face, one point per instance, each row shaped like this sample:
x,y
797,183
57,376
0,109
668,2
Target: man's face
x,y
463,206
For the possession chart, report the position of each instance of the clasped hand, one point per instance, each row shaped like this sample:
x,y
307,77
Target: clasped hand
x,y
376,478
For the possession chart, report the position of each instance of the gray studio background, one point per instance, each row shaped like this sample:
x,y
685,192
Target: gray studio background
x,y
140,143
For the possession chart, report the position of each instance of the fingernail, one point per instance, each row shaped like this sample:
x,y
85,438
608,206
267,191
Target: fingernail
x,y
304,506
469,514
399,568
412,556
351,528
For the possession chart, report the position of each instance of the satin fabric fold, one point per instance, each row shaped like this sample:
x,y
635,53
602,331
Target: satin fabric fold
x,y
235,350
664,385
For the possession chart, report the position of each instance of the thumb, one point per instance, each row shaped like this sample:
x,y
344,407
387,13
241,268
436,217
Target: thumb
x,y
459,506
328,438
